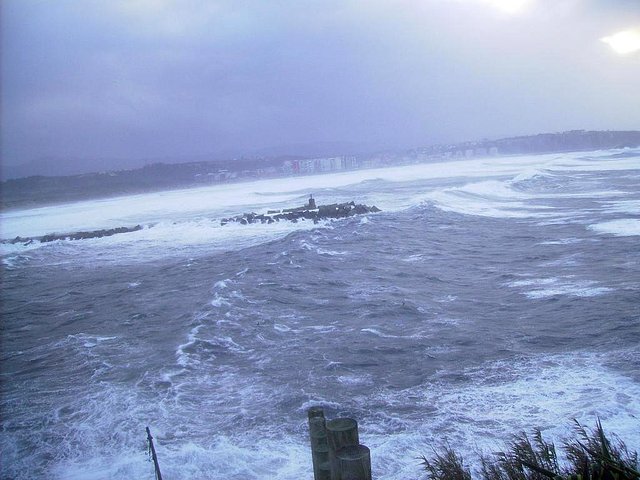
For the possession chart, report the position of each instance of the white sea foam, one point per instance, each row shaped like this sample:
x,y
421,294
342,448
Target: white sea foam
x,y
317,402
528,174
484,407
227,458
548,392
489,199
576,290
377,333
494,401
380,334
94,341
533,281
15,261
562,241
625,227
413,258
219,301
446,299
565,261
502,399
554,286
322,328
89,339
575,163
188,220
354,380
167,239
321,251
331,253
505,198
242,272
622,206
281,328
182,357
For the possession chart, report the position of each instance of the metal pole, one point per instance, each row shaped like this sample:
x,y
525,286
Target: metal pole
x,y
153,455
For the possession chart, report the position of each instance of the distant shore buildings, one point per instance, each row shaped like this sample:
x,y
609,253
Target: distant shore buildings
x,y
30,190
319,165
542,143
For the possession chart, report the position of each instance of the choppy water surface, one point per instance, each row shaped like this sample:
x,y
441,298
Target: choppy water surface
x,y
490,296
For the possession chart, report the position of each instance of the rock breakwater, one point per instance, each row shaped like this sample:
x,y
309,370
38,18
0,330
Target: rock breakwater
x,y
74,235
306,212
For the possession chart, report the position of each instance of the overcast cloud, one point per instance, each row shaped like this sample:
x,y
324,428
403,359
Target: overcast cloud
x,y
161,78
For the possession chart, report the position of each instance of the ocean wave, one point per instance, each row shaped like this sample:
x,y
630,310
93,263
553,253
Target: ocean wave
x,y
502,398
380,334
627,206
222,359
625,227
187,221
554,286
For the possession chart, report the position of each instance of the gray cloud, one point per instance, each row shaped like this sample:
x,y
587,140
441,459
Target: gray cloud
x,y
145,78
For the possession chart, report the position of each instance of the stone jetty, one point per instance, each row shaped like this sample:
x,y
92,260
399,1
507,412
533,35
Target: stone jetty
x,y
74,236
310,211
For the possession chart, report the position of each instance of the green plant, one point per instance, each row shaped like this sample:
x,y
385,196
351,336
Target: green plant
x,y
593,455
447,465
590,455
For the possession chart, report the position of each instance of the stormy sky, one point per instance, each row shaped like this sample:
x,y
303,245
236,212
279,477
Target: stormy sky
x,y
116,79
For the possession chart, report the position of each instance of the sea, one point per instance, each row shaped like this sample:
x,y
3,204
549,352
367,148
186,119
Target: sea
x,y
490,296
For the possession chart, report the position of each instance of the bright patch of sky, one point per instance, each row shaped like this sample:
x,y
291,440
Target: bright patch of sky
x,y
100,82
624,42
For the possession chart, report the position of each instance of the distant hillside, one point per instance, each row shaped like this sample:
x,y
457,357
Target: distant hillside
x,y
67,166
59,167
575,140
569,141
39,190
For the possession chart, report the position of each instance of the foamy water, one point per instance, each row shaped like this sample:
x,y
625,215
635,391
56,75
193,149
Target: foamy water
x,y
489,297
178,220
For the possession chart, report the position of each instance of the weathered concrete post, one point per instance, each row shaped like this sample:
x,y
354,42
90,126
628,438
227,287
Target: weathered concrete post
x,y
354,463
319,446
341,432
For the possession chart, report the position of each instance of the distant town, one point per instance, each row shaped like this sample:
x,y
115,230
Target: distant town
x,y
39,190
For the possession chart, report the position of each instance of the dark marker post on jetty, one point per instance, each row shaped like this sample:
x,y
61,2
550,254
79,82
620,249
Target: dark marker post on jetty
x,y
335,448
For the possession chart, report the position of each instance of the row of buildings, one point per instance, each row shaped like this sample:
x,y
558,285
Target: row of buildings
x,y
319,165
335,164
309,166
